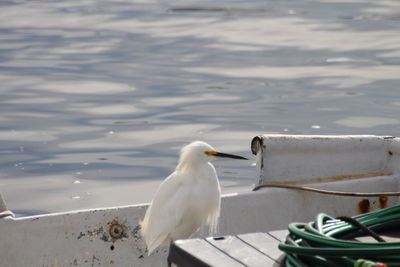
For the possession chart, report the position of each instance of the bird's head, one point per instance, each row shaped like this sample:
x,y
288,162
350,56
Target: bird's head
x,y
201,152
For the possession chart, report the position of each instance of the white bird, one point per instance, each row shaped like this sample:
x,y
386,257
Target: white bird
x,y
187,199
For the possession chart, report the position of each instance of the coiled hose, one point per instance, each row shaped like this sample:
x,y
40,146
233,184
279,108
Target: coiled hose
x,y
330,242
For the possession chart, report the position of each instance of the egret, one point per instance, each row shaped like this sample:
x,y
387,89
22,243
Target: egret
x,y
187,199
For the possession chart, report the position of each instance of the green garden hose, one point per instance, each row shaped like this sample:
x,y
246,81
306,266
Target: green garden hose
x,y
330,242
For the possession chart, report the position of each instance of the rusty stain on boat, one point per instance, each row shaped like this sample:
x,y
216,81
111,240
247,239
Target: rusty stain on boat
x,y
383,202
117,230
364,206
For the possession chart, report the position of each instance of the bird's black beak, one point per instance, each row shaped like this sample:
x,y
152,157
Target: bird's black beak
x,y
224,155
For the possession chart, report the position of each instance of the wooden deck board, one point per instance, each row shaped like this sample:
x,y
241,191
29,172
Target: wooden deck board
x,y
241,251
198,252
252,249
280,235
264,243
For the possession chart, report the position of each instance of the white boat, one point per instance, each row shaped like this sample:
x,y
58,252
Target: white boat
x,y
110,236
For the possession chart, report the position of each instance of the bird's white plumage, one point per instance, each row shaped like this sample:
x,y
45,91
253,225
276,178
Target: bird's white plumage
x,y
185,200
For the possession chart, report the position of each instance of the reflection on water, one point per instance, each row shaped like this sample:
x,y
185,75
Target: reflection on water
x,y
98,97
367,122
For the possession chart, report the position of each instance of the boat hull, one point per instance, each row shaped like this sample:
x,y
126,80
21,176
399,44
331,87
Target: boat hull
x,y
111,237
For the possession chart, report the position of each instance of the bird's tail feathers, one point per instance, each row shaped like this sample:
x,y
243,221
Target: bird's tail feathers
x,y
160,240
212,222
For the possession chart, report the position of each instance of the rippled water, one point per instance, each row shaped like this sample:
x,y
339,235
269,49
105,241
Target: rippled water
x,y
98,97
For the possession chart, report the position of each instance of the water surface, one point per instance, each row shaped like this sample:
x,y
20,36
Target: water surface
x,y
98,97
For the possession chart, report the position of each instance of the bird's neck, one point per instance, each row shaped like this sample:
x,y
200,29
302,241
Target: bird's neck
x,y
187,166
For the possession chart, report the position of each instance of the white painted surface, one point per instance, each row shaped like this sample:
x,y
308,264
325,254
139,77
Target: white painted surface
x,y
296,157
82,238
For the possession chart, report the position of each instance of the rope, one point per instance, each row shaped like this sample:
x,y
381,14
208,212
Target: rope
x,y
364,228
328,192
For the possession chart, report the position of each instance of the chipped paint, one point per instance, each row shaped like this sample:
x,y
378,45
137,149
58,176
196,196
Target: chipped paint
x,y
80,235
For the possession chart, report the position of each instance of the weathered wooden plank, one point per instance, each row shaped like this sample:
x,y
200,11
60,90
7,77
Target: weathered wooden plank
x,y
280,235
199,252
241,251
264,243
